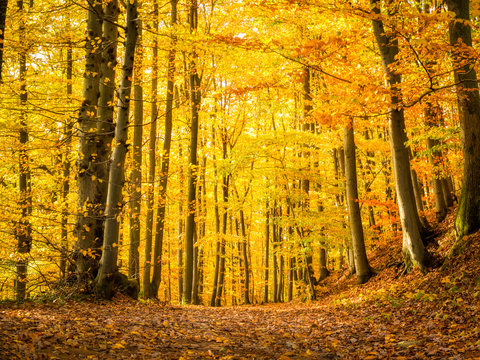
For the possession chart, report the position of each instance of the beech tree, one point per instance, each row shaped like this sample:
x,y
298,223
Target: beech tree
x,y
468,214
105,279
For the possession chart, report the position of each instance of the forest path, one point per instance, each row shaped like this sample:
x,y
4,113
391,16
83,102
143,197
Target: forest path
x,y
125,329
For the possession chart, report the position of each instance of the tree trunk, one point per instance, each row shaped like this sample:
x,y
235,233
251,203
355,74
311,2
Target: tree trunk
x,y
136,174
223,239
467,220
246,265
87,247
266,253
323,264
105,126
151,160
413,249
3,16
362,267
67,133
195,98
431,114
104,280
23,230
217,222
165,164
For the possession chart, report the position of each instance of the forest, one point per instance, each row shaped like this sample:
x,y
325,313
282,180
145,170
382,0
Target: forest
x,y
306,173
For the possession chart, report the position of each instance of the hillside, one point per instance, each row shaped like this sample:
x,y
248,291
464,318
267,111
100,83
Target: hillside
x,y
394,315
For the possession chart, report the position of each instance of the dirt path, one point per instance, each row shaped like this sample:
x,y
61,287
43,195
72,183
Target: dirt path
x,y
130,330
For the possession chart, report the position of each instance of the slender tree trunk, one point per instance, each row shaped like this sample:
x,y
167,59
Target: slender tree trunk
x,y
246,264
87,247
67,133
360,255
162,189
195,99
23,229
3,16
151,160
181,228
266,254
431,113
136,174
467,220
104,280
323,264
223,239
413,249
217,223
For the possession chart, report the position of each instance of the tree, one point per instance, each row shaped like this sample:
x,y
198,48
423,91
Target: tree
x,y
467,220
104,279
87,245
23,230
413,249
164,168
362,267
136,173
195,100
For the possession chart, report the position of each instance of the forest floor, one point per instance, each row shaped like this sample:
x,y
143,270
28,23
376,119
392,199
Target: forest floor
x,y
393,316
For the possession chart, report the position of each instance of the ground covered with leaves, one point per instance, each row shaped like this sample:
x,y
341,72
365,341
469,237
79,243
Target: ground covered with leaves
x,y
393,316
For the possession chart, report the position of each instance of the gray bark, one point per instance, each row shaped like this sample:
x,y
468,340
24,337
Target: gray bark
x,y
165,164
413,248
467,219
136,174
360,255
87,247
104,281
151,161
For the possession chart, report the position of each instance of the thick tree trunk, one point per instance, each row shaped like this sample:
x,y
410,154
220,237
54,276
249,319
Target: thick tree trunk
x,y
362,267
413,248
105,126
467,220
165,164
195,99
104,280
87,247
136,174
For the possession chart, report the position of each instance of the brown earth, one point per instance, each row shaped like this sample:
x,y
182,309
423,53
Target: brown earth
x,y
393,316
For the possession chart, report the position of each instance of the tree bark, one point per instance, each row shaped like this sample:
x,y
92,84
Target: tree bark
x,y
266,253
151,160
467,219
3,16
362,267
431,113
165,164
104,280
195,99
67,133
23,230
105,126
136,174
87,247
413,249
